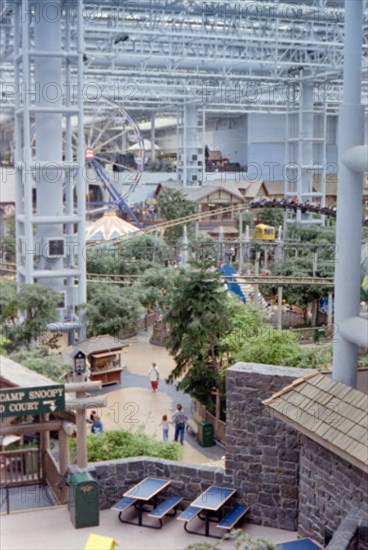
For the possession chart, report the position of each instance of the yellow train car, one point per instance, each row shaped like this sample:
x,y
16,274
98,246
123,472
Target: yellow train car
x,y
264,232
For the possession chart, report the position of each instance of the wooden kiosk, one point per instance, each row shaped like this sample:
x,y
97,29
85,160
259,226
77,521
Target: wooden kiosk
x,y
104,356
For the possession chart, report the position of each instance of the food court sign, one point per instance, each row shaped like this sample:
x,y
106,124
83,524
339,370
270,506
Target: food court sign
x,y
23,401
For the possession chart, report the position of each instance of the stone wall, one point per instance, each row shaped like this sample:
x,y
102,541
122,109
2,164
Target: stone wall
x,y
188,480
330,490
262,453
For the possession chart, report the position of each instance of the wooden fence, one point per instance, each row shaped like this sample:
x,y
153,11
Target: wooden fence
x,y
21,467
201,413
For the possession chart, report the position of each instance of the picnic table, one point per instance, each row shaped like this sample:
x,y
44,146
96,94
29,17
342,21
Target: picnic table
x,y
144,493
210,502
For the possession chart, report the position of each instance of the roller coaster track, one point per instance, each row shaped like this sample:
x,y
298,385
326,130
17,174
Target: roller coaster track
x,y
160,227
273,280
9,268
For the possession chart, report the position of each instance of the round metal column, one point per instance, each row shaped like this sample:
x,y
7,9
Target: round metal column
x,y
349,199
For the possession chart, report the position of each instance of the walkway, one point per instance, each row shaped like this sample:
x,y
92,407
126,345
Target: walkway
x,y
134,406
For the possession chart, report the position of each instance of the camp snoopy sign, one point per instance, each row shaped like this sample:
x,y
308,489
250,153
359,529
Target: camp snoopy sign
x,y
24,401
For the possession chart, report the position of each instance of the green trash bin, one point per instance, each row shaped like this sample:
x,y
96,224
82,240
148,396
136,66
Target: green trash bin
x,y
319,334
83,500
205,434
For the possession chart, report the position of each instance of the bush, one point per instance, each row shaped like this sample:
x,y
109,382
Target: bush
x,y
39,360
116,444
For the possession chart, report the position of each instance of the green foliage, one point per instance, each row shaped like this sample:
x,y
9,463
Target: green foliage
x,y
8,301
9,240
270,346
47,364
111,309
247,217
240,540
132,257
173,205
246,322
271,216
38,305
154,286
117,444
198,319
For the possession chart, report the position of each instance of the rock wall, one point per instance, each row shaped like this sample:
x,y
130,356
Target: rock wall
x,y
333,494
262,453
188,480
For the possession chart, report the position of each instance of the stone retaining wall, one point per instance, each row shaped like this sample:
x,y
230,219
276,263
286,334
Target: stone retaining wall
x,y
330,489
116,476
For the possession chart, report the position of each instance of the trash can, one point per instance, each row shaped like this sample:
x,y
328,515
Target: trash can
x,y
205,434
83,500
319,334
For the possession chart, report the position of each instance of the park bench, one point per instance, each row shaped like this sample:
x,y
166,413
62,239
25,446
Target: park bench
x,y
190,513
165,507
232,518
123,505
301,544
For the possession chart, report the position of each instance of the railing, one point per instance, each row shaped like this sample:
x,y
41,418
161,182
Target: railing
x,y
308,334
22,467
201,413
54,479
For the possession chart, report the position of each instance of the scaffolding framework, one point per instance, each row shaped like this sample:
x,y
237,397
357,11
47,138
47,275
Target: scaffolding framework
x,y
50,189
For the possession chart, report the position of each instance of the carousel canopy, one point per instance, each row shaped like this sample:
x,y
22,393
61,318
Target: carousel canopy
x,y
108,227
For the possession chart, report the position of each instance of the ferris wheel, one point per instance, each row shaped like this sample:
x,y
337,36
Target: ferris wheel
x,y
114,154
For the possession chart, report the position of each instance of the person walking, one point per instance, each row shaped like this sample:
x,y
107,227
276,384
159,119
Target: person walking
x,y
165,428
179,419
154,375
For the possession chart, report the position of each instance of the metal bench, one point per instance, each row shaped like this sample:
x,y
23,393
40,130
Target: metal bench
x,y
301,544
232,518
190,513
165,507
123,505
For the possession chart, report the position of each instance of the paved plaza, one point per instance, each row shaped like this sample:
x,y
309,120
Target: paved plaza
x,y
52,529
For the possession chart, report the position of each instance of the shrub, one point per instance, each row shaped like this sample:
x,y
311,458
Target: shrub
x,y
116,444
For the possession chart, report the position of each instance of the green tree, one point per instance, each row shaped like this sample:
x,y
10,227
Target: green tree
x,y
43,362
246,323
173,205
38,305
269,346
153,288
130,257
198,319
111,309
271,216
8,301
9,240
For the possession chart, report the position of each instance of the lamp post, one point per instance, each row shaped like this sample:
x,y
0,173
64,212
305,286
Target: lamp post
x,y
80,367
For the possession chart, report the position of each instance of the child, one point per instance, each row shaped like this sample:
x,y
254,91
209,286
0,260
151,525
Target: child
x,y
165,427
154,375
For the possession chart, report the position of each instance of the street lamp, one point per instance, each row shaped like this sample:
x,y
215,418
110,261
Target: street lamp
x,y
80,363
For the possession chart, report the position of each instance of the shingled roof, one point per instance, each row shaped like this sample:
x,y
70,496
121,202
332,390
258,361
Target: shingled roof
x,y
331,413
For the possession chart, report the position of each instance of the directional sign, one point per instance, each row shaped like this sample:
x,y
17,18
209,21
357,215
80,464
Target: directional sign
x,y
38,400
